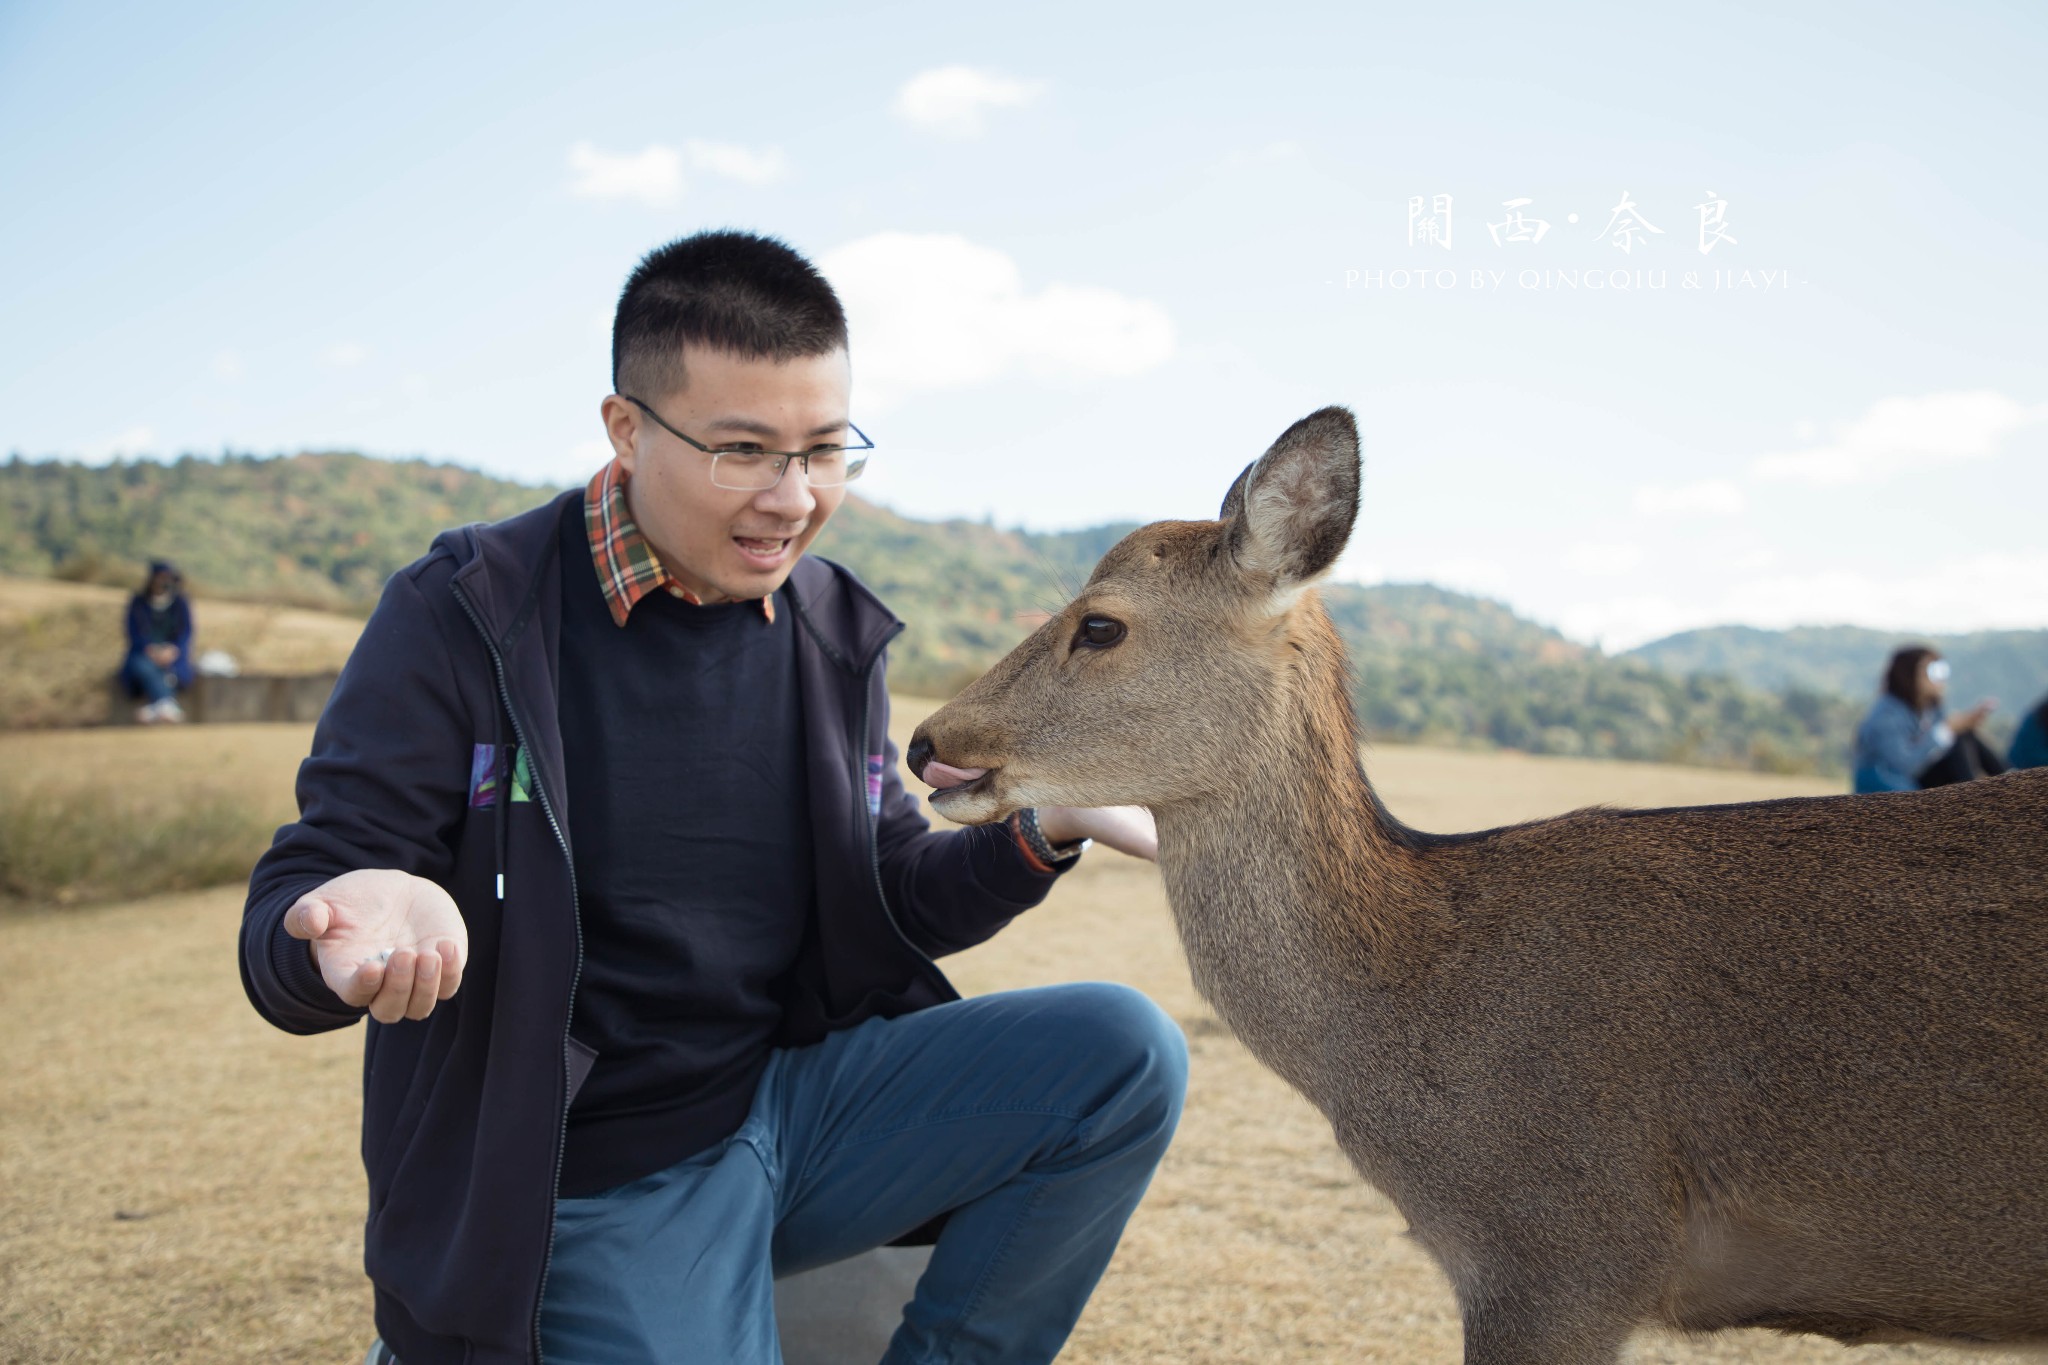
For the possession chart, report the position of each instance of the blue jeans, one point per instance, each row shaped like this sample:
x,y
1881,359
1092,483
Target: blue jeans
x,y
1035,1117
146,678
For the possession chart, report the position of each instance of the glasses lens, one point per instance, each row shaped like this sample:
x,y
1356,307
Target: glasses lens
x,y
755,470
830,468
746,469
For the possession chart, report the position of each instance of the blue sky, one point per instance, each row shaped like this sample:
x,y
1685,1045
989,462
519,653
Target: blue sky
x,y
1097,258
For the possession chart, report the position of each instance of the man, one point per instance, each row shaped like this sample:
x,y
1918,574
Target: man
x,y
603,829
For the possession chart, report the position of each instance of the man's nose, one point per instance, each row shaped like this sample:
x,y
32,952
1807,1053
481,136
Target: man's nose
x,y
791,497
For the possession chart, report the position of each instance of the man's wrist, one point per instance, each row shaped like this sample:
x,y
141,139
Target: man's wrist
x,y
1048,847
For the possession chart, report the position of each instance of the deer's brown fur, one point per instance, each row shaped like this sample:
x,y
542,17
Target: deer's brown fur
x,y
1779,1064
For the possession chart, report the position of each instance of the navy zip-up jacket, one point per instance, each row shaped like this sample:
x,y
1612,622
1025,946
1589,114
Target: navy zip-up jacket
x,y
464,1111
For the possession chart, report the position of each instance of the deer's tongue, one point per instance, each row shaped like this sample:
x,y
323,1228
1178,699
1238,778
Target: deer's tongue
x,y
942,776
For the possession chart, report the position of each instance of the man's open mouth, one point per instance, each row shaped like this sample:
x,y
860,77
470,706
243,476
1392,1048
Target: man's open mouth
x,y
763,549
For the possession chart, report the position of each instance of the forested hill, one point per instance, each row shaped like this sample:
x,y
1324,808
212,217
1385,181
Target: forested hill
x,y
326,530
2009,665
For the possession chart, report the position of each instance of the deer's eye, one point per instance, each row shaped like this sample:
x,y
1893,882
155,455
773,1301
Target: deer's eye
x,y
1098,632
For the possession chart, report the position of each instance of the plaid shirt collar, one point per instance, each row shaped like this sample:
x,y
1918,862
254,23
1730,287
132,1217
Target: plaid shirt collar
x,y
627,566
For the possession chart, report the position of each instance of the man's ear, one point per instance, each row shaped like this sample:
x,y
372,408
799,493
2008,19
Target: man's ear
x,y
1291,512
621,429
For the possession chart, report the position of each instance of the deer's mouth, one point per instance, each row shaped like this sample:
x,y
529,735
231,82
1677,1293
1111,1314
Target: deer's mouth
x,y
966,796
949,783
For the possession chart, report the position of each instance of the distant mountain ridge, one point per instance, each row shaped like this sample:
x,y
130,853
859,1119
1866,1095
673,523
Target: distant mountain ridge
x,y
2010,665
327,529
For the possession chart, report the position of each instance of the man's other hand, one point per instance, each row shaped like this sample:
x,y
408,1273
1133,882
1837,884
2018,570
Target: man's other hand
x,y
385,939
1127,829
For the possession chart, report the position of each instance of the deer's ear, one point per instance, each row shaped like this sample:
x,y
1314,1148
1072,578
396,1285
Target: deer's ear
x,y
1233,501
1291,512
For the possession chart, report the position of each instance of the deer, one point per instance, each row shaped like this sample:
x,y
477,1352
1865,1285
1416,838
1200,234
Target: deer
x,y
1778,1064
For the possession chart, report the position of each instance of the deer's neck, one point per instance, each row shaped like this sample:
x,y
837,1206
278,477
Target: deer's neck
x,y
1290,883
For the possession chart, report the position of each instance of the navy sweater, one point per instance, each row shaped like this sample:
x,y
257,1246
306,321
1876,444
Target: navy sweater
x,y
464,1111
684,747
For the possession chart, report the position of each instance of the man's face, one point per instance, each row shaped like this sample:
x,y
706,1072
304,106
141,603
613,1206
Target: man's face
x,y
730,544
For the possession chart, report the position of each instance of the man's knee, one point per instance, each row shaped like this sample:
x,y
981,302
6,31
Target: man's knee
x,y
1137,1042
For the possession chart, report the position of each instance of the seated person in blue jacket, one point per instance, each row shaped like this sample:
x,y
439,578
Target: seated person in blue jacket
x,y
2030,744
603,829
1908,741
159,660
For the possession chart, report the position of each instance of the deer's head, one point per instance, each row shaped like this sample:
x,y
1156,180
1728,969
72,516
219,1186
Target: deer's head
x,y
1141,691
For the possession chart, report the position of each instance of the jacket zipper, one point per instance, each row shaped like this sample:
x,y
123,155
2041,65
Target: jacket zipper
x,y
860,750
576,980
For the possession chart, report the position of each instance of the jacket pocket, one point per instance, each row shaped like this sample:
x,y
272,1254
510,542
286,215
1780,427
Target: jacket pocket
x,y
408,1061
580,1058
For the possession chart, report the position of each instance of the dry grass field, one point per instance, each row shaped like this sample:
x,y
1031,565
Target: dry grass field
x,y
180,1182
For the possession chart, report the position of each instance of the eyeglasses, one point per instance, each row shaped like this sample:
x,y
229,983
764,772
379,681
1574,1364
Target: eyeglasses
x,y
750,468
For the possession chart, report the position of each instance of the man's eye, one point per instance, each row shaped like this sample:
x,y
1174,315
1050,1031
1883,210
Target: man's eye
x,y
1098,632
751,454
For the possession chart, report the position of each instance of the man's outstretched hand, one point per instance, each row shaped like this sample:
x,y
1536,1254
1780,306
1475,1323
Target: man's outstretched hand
x,y
386,939
1127,829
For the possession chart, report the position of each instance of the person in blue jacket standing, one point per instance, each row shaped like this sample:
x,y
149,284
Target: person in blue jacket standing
x,y
159,661
1908,741
2030,745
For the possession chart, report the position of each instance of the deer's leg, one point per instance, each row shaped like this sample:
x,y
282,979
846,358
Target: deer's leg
x,y
1552,1322
1505,1333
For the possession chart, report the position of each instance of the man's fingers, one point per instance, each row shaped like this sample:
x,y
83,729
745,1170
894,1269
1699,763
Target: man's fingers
x,y
451,967
394,997
362,984
426,984
308,918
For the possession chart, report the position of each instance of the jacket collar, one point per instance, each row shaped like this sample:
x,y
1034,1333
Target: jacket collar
x,y
500,568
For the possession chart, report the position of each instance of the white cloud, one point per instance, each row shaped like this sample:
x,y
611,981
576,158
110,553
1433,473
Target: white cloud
x,y
134,441
954,100
1272,153
345,355
228,366
1898,434
937,311
1991,591
1363,571
1603,561
734,162
1707,498
653,175
1996,591
1480,577
1618,623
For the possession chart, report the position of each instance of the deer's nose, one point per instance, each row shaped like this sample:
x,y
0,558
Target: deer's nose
x,y
920,754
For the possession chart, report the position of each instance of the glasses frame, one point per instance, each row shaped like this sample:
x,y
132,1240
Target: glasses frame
x,y
782,457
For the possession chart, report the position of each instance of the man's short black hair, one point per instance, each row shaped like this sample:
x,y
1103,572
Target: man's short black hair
x,y
731,291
